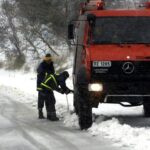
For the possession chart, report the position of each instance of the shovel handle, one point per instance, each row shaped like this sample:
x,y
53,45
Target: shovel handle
x,y
67,103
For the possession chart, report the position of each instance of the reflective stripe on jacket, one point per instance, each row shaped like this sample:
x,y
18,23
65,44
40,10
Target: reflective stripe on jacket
x,y
50,83
43,70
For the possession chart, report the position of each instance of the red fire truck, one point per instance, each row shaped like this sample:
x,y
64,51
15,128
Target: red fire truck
x,y
112,57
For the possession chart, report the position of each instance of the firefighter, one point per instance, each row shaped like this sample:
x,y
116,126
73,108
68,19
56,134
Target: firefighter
x,y
45,67
54,82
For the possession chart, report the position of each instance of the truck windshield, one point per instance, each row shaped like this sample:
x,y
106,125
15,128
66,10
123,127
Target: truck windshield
x,y
119,30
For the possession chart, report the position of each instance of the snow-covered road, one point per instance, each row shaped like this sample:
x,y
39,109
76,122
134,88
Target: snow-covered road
x,y
115,125
21,130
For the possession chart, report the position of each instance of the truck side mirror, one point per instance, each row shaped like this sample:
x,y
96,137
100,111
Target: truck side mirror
x,y
71,31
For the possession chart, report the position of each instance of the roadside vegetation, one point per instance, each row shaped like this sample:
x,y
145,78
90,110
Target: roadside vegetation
x,y
33,28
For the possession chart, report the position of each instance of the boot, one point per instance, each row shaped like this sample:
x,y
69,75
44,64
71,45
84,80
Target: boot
x,y
52,116
41,116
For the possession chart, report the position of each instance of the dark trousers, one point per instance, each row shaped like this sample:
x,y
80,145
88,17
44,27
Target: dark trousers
x,y
49,100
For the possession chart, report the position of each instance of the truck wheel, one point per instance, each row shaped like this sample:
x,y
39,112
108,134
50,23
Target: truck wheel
x,y
84,112
85,116
82,102
146,106
75,103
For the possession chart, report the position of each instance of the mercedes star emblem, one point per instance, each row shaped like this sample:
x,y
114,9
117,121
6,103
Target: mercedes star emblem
x,y
128,67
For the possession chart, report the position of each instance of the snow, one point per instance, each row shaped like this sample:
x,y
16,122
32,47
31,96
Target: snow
x,y
126,127
5,122
138,138
14,142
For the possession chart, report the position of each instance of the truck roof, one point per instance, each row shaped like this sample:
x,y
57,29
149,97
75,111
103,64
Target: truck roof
x,y
116,8
107,13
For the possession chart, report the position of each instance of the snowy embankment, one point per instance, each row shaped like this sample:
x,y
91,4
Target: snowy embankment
x,y
125,126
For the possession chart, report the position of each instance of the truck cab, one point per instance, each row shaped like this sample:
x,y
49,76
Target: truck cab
x,y
112,57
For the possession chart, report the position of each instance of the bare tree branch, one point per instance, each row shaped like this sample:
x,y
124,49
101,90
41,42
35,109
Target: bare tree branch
x,y
44,41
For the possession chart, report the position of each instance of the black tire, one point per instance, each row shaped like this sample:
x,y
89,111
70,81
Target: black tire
x,y
75,104
82,104
146,106
84,112
85,117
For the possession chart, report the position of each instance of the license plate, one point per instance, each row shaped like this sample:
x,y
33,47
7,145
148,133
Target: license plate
x,y
101,63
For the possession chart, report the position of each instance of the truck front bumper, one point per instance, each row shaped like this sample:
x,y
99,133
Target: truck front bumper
x,y
116,92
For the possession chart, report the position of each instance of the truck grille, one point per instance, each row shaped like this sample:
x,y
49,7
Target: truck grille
x,y
123,71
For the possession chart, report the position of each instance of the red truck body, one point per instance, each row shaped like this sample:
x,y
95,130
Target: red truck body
x,y
112,58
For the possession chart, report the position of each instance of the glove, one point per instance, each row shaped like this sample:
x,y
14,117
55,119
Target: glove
x,y
69,91
60,91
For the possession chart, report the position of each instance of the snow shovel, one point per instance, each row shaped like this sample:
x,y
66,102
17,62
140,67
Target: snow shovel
x,y
68,110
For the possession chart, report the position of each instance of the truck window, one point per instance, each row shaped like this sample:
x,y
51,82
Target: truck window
x,y
111,30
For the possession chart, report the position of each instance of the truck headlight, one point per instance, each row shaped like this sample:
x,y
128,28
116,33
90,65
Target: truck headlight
x,y
96,87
